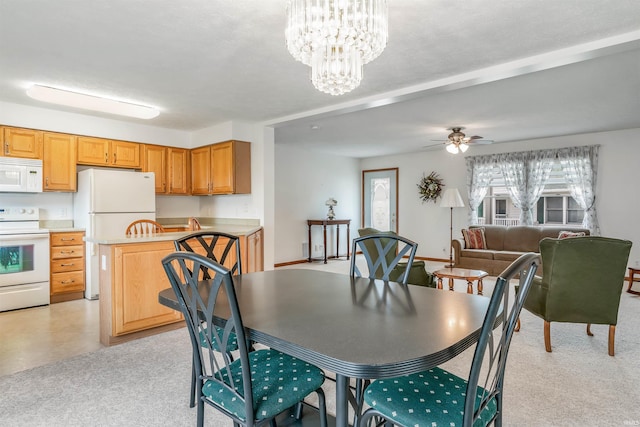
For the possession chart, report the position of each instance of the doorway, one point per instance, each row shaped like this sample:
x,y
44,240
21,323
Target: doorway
x,y
380,199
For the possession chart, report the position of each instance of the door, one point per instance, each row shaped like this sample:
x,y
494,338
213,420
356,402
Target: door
x,y
122,191
380,199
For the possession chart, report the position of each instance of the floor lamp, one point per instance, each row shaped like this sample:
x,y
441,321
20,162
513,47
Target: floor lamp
x,y
451,199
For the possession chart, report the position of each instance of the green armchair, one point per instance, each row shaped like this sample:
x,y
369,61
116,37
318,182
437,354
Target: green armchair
x,y
581,282
418,274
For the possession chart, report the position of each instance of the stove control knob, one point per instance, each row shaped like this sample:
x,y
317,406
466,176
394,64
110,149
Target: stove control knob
x,y
30,211
21,211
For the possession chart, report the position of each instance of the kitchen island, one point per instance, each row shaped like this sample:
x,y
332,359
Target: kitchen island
x,y
131,275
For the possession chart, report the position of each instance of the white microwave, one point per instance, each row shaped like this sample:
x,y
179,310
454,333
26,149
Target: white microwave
x,y
20,175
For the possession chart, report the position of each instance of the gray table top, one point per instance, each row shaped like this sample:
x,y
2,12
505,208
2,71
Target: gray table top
x,y
354,327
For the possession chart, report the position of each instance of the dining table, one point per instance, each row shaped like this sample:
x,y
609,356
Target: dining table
x,y
354,327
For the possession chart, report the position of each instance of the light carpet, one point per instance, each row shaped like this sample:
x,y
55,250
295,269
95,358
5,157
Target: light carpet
x,y
146,382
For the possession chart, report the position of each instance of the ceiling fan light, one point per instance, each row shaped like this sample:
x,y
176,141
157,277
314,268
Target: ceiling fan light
x,y
463,147
452,148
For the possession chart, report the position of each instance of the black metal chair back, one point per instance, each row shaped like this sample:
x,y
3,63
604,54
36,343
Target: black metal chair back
x,y
382,253
211,345
220,247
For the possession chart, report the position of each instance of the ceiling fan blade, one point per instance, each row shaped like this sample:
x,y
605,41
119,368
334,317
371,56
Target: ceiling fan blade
x,y
440,144
469,138
480,141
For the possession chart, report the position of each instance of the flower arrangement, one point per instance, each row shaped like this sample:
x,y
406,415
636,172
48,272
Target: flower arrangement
x,y
430,187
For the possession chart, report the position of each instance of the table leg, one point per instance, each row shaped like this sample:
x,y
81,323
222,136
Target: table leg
x,y
325,243
342,401
469,287
632,273
439,282
348,241
337,241
480,287
309,242
450,284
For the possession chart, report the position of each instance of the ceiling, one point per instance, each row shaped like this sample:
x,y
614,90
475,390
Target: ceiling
x,y
505,70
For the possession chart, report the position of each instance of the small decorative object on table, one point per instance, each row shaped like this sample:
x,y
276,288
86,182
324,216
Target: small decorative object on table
x,y
331,202
430,187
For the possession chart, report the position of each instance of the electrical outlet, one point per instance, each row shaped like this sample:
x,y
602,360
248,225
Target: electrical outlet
x,y
637,264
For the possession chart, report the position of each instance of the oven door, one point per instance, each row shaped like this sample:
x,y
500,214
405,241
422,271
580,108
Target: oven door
x,y
24,259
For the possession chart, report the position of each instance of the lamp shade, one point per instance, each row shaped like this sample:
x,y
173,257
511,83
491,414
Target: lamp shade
x,y
451,199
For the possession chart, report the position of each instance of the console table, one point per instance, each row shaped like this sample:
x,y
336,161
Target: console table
x,y
324,223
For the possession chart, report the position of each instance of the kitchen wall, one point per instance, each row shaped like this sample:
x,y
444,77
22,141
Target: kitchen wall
x,y
427,223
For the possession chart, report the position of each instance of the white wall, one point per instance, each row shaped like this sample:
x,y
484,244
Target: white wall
x,y
303,182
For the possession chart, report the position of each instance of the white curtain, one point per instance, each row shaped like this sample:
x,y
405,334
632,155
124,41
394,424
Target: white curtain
x,y
580,167
479,174
525,175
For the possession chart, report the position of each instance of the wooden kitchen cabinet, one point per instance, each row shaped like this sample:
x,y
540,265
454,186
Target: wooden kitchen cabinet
x,y
155,160
67,266
107,152
170,166
59,162
178,173
222,168
253,252
129,287
24,143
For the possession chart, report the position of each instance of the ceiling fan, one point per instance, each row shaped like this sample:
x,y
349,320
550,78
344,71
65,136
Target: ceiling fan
x,y
458,142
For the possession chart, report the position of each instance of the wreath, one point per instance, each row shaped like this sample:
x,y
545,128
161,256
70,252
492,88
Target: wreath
x,y
430,187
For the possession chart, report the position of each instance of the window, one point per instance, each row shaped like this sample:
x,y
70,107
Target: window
x,y
555,206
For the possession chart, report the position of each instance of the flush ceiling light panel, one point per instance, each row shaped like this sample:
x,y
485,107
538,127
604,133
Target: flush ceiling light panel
x,y
90,102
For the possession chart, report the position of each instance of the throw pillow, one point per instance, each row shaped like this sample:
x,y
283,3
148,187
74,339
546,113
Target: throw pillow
x,y
474,238
565,234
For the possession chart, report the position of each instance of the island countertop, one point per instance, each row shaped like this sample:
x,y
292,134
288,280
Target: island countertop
x,y
233,229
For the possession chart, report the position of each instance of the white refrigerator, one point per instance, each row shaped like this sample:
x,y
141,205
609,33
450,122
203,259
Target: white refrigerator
x,y
106,202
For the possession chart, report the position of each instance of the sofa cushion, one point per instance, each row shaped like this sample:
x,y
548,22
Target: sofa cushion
x,y
493,236
474,238
477,253
506,255
522,239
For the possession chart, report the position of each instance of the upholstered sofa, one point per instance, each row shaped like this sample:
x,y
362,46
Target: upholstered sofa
x,y
504,244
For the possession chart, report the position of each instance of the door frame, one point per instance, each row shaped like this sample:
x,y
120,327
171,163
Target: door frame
x,y
362,210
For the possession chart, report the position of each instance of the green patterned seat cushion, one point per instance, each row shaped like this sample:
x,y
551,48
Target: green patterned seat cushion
x,y
279,381
431,398
232,345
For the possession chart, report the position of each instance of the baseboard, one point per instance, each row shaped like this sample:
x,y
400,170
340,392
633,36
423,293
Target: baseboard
x,y
284,264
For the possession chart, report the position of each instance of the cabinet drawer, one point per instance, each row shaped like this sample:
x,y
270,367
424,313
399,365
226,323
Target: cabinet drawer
x,y
67,252
67,264
67,282
66,239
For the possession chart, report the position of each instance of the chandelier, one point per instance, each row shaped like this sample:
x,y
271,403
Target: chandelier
x,y
336,38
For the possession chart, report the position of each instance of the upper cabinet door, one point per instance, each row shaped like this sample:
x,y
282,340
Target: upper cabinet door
x,y
59,162
200,170
125,154
231,167
93,151
155,160
178,171
25,143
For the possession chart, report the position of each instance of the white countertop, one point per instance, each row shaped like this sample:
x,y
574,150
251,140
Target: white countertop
x,y
236,230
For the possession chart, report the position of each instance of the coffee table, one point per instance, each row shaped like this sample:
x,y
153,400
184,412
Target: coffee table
x,y
461,273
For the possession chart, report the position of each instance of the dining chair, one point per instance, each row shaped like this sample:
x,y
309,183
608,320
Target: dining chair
x,y
224,249
439,397
418,274
258,385
383,252
144,226
581,282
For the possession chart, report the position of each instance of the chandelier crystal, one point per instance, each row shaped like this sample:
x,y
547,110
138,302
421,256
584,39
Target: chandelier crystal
x,y
336,38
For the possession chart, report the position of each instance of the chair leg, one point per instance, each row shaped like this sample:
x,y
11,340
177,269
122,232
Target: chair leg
x,y
612,338
589,329
547,336
192,400
517,329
